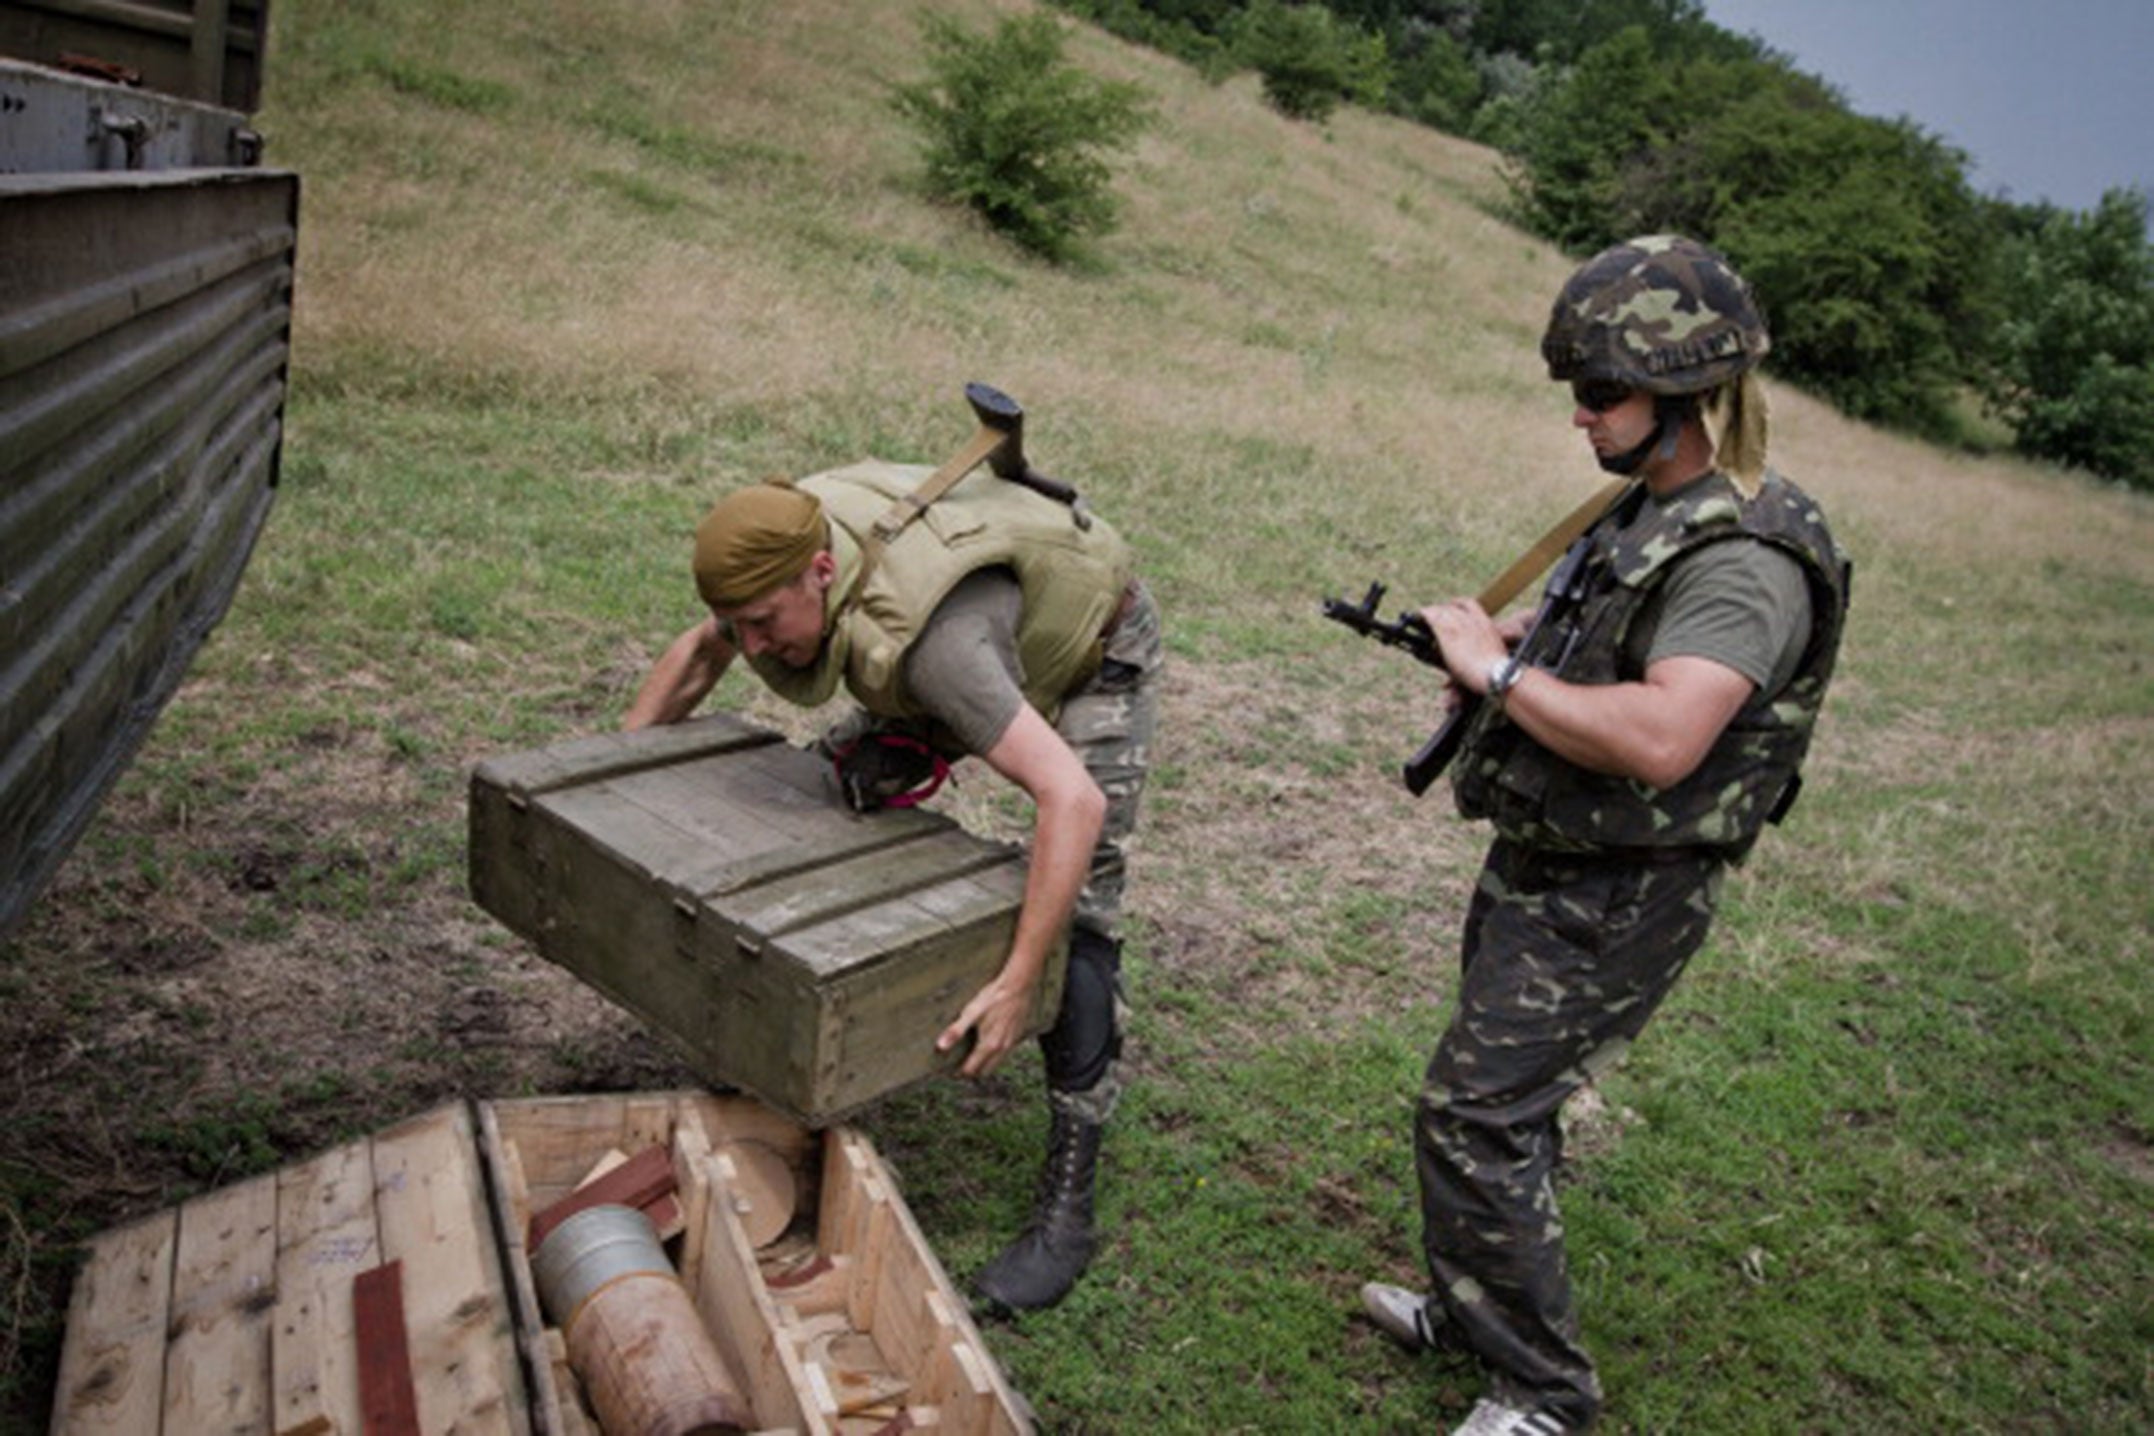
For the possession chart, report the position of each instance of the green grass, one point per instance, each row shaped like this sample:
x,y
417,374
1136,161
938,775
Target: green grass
x,y
1882,1164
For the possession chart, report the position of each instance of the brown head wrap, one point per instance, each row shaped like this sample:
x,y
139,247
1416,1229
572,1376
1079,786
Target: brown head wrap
x,y
755,539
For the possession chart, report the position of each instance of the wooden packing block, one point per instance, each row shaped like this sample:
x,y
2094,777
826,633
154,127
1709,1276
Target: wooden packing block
x,y
642,1182
766,1192
663,1211
388,1405
704,876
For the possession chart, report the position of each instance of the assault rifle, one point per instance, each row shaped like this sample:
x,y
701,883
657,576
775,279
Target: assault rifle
x,y
1411,632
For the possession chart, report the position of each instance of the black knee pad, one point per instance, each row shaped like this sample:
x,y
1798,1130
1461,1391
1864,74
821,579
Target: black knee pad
x,y
1085,1039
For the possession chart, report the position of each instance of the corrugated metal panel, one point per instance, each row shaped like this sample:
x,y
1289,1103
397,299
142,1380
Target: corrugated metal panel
x,y
144,326
207,50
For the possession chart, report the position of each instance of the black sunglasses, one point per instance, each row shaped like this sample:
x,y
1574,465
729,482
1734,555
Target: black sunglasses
x,y
1600,395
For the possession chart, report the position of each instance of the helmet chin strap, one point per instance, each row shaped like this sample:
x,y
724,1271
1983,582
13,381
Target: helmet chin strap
x,y
1669,413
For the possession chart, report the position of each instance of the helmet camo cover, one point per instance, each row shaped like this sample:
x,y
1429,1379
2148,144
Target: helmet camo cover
x,y
1662,313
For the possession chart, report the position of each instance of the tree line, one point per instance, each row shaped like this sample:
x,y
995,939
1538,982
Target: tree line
x,y
1894,288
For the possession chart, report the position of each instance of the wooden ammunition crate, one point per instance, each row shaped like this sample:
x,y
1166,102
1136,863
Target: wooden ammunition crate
x,y
704,876
235,1312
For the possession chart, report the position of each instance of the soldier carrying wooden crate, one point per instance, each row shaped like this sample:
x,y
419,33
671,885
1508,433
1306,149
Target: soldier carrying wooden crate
x,y
999,618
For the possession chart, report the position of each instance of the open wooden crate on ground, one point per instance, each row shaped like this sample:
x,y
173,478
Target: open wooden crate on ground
x,y
704,876
235,1311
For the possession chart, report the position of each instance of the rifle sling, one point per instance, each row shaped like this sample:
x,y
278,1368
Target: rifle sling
x,y
1422,769
903,511
1535,561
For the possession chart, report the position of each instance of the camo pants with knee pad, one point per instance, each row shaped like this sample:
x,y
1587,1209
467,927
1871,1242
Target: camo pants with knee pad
x,y
1110,723
1565,958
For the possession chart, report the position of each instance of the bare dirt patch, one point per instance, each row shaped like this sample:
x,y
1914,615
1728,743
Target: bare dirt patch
x,y
1303,879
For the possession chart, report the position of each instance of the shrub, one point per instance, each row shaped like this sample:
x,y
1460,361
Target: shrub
x,y
1309,59
1016,132
1433,80
2074,360
1188,34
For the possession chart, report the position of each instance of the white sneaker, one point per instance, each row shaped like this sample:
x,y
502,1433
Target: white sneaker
x,y
1400,1314
1491,1417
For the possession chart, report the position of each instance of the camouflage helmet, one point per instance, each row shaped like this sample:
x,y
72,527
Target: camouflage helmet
x,y
1663,314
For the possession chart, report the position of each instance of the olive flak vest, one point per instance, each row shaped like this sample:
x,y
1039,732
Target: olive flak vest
x,y
1071,579
1750,773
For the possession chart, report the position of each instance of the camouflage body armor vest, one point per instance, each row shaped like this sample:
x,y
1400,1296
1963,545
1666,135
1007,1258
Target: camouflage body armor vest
x,y
1072,580
1585,635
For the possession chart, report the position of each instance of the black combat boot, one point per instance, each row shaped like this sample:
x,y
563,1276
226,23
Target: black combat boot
x,y
1038,1269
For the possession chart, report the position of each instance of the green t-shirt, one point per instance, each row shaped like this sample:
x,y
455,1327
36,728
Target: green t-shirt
x,y
1742,603
963,667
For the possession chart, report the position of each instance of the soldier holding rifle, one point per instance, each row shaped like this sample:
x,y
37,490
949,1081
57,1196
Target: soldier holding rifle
x,y
1627,743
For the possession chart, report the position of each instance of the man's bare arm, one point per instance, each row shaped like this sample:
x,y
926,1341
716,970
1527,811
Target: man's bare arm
x,y
1068,812
1655,730
684,674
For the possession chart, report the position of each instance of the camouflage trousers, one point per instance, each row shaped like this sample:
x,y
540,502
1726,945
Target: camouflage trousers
x,y
1110,723
1565,958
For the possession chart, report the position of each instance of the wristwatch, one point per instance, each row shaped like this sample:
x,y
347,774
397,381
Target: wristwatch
x,y
1503,675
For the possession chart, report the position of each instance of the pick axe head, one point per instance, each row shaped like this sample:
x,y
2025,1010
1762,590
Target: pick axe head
x,y
1002,426
998,411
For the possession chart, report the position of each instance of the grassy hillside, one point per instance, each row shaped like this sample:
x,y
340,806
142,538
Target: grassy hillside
x,y
570,271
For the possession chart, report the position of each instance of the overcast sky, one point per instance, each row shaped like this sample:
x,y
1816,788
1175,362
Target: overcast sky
x,y
2051,99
